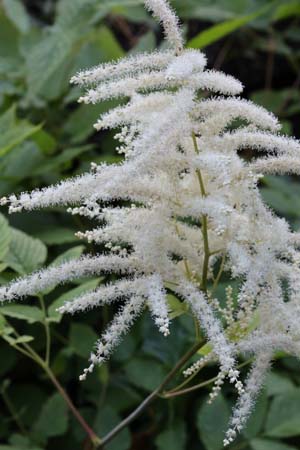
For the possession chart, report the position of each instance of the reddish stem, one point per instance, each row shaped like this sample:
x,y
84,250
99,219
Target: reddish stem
x,y
89,431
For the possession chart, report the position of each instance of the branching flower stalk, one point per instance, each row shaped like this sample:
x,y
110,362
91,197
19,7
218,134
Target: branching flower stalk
x,y
187,202
27,350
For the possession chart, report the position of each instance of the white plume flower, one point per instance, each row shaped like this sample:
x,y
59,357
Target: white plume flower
x,y
184,200
162,11
245,403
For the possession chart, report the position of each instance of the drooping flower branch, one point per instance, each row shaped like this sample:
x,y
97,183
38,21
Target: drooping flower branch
x,y
187,203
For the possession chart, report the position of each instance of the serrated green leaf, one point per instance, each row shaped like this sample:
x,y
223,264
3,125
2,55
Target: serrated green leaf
x,y
28,400
10,36
277,384
270,99
68,255
53,315
56,162
13,131
132,10
86,115
173,437
221,30
47,75
145,373
177,308
71,12
7,331
5,237
20,162
286,204
16,12
31,314
276,100
3,266
257,419
9,359
82,339
57,236
205,350
25,253
122,3
10,340
105,421
267,444
110,45
45,141
2,323
53,419
286,10
24,339
21,442
212,10
284,415
212,422
40,63
147,43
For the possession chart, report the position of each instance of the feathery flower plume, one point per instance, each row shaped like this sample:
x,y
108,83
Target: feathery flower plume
x,y
192,202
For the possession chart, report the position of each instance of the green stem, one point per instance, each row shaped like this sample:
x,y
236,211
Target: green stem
x,y
21,350
91,434
13,412
206,254
215,252
176,393
190,389
24,348
188,380
204,222
31,353
171,282
47,330
185,262
156,393
240,446
197,328
221,269
89,431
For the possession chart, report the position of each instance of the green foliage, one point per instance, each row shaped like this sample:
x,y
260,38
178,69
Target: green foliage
x,y
286,10
284,416
106,420
23,312
55,412
13,131
45,137
174,437
266,444
20,445
144,373
212,420
278,384
282,194
54,316
221,30
82,339
16,12
25,253
257,420
5,237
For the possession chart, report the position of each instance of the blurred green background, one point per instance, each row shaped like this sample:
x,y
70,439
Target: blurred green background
x,y
45,137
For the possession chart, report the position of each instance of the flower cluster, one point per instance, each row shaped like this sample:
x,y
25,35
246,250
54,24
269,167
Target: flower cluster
x,y
185,202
